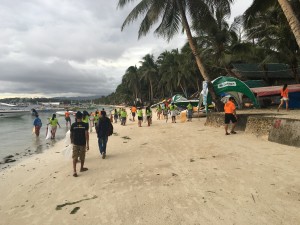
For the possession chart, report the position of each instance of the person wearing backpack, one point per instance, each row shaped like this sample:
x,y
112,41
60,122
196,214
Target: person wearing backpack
x,y
105,129
37,123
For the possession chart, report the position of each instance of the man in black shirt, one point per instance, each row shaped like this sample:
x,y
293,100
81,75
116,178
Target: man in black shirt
x,y
103,133
80,141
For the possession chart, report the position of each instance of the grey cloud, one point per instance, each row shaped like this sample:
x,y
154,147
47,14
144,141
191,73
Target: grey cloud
x,y
54,47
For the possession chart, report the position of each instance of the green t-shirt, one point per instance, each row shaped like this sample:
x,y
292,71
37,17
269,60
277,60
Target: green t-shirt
x,y
148,112
123,114
140,113
96,118
86,119
189,106
54,122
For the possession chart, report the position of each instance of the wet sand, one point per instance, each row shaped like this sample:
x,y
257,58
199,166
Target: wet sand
x,y
183,173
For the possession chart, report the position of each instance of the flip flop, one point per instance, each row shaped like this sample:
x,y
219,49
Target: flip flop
x,y
227,134
83,169
233,132
75,175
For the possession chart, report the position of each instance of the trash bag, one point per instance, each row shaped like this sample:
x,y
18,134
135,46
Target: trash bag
x,y
67,138
48,133
67,152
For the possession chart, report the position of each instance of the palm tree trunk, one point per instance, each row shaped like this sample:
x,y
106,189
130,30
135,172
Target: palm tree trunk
x,y
291,18
200,65
151,91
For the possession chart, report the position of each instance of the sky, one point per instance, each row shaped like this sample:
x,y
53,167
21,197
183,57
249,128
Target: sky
x,y
51,48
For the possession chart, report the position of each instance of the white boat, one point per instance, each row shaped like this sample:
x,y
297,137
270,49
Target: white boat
x,y
8,110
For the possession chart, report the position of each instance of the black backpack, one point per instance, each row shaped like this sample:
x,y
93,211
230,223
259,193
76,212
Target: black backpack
x,y
110,129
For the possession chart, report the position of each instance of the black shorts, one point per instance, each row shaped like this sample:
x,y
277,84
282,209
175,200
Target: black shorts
x,y
230,117
133,114
140,118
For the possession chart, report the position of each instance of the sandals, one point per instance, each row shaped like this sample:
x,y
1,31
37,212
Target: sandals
x,y
75,175
83,169
227,133
233,132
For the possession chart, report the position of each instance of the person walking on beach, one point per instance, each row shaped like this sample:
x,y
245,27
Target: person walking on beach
x,y
96,118
166,112
67,118
53,122
230,115
189,112
91,119
140,116
116,116
80,140
104,130
149,115
123,117
133,111
159,111
284,92
37,123
173,108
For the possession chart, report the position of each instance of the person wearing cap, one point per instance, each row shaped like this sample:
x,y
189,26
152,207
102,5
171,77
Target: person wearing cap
x,y
230,115
80,140
102,133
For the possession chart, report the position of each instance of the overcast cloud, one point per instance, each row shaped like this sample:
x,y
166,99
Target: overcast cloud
x,y
71,47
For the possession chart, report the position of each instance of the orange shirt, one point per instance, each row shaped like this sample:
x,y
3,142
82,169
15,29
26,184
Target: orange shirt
x,y
133,109
284,93
229,107
67,114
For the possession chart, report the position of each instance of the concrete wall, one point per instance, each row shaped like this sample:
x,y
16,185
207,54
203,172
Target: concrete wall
x,y
279,130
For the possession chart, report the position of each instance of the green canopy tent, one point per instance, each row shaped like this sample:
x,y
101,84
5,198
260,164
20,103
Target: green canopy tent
x,y
231,86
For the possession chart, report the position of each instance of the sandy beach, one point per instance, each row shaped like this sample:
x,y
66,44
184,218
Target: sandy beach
x,y
183,173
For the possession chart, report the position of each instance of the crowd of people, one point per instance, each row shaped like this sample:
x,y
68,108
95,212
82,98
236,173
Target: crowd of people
x,y
98,121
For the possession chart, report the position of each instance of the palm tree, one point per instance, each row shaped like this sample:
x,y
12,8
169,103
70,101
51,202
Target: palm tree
x,y
173,13
131,78
273,34
149,72
287,8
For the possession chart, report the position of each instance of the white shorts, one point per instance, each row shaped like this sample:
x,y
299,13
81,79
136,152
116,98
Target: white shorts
x,y
284,99
173,113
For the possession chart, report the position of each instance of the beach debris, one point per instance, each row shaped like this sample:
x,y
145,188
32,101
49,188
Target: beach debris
x,y
192,160
59,207
174,174
253,198
126,137
115,134
74,210
8,159
144,143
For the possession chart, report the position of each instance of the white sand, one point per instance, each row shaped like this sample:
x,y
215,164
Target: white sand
x,y
183,173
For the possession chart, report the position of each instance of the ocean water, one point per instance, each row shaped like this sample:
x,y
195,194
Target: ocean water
x,y
17,139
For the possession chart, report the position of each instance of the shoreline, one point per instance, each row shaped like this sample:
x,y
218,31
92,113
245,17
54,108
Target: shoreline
x,y
183,173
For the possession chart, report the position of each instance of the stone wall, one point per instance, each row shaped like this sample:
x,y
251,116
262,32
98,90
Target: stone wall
x,y
279,130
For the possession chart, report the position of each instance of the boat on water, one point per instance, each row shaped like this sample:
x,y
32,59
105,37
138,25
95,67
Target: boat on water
x,y
9,110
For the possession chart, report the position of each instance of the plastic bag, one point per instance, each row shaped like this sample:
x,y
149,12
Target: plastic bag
x,y
67,152
68,138
48,134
